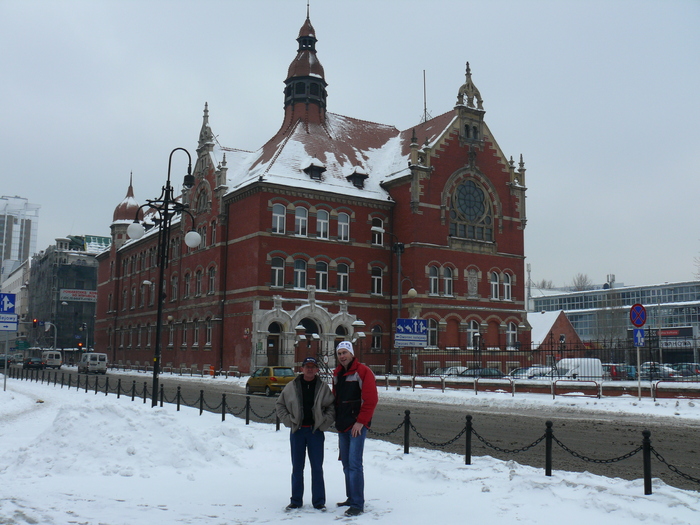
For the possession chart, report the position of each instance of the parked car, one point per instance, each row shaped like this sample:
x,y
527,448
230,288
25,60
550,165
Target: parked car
x,y
687,369
4,358
655,372
269,379
448,371
530,372
614,372
33,363
631,372
490,373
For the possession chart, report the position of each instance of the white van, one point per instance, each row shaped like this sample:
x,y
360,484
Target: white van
x,y
93,362
52,358
582,368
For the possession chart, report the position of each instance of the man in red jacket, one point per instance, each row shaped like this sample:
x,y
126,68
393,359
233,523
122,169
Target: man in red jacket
x,y
355,391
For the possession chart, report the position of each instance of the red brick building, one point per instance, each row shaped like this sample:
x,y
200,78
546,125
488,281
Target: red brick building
x,y
300,240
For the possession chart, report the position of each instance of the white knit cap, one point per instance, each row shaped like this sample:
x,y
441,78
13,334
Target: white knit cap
x,y
346,345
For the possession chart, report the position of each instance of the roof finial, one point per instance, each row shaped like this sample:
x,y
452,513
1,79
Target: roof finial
x,y
307,9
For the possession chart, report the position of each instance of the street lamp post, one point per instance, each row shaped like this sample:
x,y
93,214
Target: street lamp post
x,y
399,248
166,207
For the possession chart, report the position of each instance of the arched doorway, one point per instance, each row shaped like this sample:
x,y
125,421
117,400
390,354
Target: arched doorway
x,y
311,345
273,344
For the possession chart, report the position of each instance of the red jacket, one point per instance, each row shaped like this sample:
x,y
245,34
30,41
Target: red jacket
x,y
355,391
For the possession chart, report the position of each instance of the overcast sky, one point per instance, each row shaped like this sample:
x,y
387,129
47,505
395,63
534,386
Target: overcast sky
x,y
600,97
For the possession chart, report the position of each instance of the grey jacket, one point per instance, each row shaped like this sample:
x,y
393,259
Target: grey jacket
x,y
289,405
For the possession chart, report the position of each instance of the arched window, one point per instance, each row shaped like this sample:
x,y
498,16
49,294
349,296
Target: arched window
x,y
432,333
472,331
278,215
184,333
343,227
277,279
322,221
512,336
212,280
198,283
321,276
377,231
202,202
208,332
301,218
376,337
434,281
471,216
376,280
195,332
171,334
133,297
300,273
494,285
448,280
173,288
507,290
186,286
343,277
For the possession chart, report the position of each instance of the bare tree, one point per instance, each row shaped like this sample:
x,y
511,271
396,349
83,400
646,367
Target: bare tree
x,y
581,282
544,284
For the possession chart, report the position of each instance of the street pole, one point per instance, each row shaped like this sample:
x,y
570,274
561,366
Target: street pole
x,y
166,206
398,248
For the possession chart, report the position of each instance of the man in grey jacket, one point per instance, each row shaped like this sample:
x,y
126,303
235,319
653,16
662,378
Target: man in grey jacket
x,y
306,406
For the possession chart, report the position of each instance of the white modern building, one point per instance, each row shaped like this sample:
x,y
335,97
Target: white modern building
x,y
19,223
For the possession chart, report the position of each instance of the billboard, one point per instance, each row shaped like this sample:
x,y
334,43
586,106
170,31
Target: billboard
x,y
84,296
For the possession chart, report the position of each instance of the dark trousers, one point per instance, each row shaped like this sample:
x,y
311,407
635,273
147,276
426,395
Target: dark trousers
x,y
301,441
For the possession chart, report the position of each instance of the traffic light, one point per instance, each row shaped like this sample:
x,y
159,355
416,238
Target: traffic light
x,y
80,346
35,322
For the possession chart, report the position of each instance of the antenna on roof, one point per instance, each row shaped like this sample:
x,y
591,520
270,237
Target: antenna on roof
x,y
426,116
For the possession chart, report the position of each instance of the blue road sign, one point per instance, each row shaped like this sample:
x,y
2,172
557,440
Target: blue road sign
x,y
639,337
411,332
7,303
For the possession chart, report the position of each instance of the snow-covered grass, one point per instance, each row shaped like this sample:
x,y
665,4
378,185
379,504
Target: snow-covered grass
x,y
74,458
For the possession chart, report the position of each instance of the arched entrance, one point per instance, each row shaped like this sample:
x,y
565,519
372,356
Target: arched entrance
x,y
310,345
273,344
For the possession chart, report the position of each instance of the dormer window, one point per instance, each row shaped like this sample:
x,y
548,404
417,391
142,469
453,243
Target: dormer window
x,y
315,169
357,178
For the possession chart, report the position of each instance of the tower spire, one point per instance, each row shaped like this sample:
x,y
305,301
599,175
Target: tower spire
x,y
305,86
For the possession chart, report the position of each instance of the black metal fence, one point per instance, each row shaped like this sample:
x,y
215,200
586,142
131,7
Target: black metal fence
x,y
137,391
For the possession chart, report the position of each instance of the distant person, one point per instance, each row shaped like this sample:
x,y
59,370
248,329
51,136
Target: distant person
x,y
306,407
355,390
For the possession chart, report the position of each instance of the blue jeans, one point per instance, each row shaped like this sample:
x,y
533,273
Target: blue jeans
x,y
301,441
351,449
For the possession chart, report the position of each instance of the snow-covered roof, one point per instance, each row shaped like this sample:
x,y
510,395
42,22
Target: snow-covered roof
x,y
541,323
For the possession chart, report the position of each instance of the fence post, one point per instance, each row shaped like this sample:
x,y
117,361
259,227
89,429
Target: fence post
x,y
548,449
646,457
277,423
468,443
119,387
406,430
55,377
201,402
133,390
97,382
223,407
63,376
106,385
70,381
398,381
145,391
247,410
87,382
178,398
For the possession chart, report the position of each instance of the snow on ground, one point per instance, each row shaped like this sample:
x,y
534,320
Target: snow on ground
x,y
68,457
